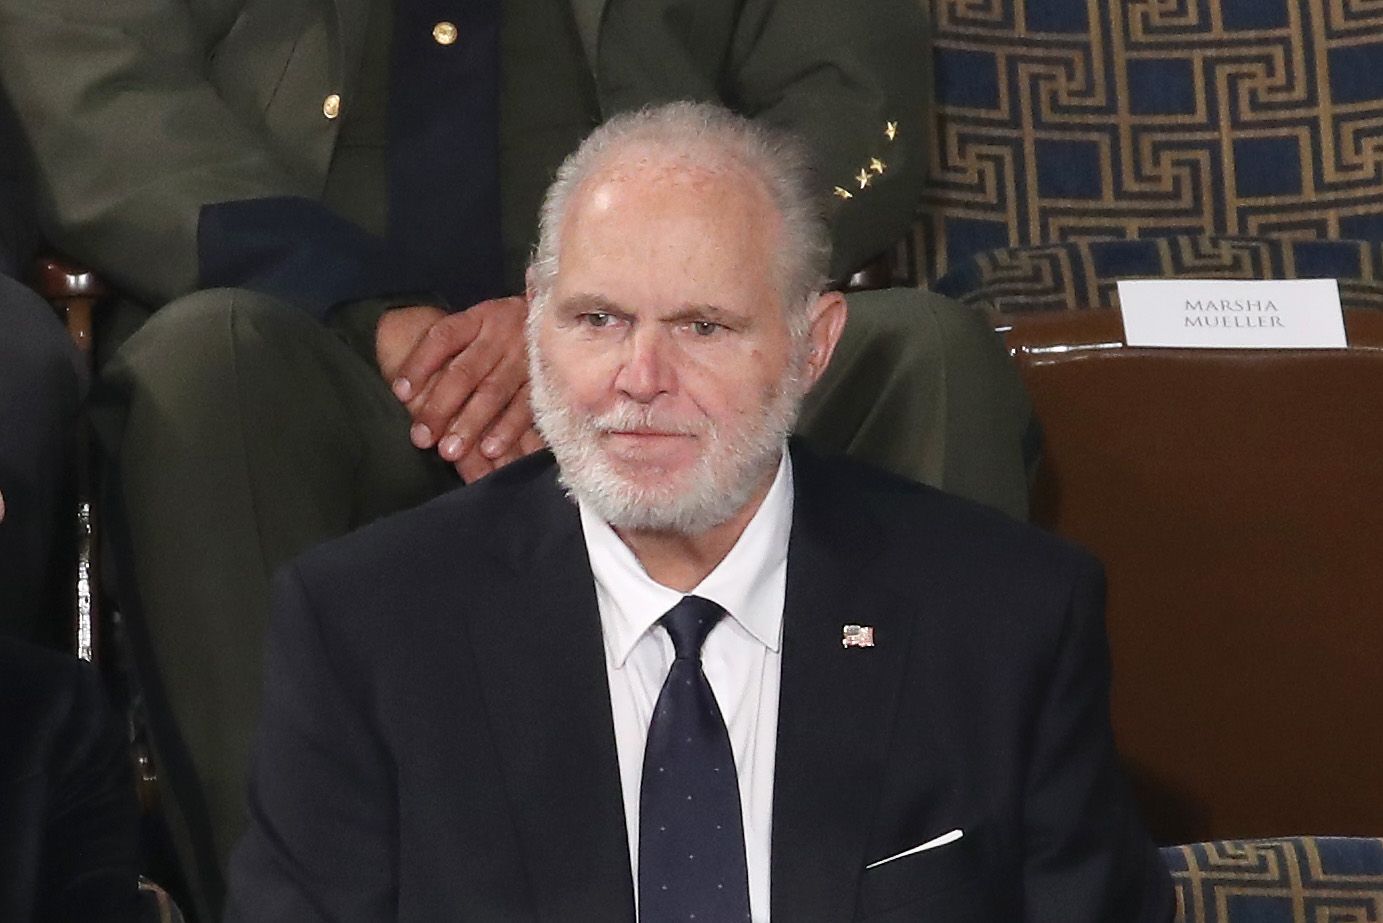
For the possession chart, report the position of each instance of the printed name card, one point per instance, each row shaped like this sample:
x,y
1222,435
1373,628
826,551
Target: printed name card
x,y
1221,314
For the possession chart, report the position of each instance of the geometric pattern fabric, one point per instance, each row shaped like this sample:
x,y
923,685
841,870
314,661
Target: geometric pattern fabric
x,y
1071,120
1085,274
1291,880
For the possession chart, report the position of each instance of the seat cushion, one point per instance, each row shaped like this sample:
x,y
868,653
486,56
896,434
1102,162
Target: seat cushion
x,y
1290,880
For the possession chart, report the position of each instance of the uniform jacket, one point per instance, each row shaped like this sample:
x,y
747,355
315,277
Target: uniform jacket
x,y
16,222
141,112
437,740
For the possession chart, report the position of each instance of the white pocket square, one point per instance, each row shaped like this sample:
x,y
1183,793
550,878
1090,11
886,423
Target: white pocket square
x,y
933,843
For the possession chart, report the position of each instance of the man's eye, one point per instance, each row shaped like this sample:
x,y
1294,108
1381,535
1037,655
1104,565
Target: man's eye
x,y
597,319
704,328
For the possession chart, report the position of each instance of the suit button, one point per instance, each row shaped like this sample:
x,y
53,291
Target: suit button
x,y
331,106
444,33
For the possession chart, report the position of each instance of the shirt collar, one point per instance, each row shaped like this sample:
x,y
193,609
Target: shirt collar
x,y
741,584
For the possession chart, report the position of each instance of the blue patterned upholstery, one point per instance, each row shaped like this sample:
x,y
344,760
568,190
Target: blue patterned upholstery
x,y
1292,880
1085,273
1238,119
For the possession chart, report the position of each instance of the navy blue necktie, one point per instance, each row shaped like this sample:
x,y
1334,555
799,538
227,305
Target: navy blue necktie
x,y
691,838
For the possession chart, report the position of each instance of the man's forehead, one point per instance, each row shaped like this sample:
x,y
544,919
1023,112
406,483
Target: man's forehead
x,y
659,174
650,208
665,231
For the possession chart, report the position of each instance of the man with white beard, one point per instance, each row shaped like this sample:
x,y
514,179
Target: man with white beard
x,y
685,670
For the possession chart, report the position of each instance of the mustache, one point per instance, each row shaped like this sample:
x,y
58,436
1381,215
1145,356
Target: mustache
x,y
631,416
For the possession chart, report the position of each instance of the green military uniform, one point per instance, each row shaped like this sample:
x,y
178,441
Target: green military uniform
x,y
242,431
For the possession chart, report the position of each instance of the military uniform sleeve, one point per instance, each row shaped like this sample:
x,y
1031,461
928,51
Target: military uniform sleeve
x,y
852,80
136,143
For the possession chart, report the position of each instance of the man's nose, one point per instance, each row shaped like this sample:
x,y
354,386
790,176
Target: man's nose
x,y
647,370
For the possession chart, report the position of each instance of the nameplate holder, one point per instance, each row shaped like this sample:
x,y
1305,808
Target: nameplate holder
x,y
1233,314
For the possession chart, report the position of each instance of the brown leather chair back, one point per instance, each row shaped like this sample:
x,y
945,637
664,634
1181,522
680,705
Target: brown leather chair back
x,y
1236,499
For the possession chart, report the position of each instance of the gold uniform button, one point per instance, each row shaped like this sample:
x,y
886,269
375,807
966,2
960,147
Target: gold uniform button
x,y
331,106
444,33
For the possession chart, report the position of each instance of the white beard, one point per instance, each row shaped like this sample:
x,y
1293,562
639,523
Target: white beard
x,y
718,486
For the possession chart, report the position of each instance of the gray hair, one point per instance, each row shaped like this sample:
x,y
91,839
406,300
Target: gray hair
x,y
708,136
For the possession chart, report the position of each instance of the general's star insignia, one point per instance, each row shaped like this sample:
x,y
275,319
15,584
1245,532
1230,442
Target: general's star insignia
x,y
890,129
876,165
864,178
842,193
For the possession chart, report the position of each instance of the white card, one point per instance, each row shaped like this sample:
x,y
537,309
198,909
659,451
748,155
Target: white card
x,y
1223,314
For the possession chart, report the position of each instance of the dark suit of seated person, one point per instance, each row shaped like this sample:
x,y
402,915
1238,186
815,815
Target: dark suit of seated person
x,y
679,671
40,390
69,836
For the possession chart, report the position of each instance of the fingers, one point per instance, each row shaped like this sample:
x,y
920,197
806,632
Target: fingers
x,y
527,443
481,376
475,464
442,342
510,438
487,404
398,332
473,377
504,432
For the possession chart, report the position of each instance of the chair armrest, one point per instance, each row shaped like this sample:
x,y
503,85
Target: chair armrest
x,y
74,291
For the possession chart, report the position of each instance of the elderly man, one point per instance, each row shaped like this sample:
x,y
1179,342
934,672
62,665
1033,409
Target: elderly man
x,y
681,672
286,194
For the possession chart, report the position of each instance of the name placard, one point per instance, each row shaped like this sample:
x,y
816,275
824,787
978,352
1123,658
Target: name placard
x,y
1223,314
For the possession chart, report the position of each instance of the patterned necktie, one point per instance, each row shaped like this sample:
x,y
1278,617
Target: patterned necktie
x,y
691,839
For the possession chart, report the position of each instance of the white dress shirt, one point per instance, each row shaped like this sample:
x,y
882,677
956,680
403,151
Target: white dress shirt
x,y
742,658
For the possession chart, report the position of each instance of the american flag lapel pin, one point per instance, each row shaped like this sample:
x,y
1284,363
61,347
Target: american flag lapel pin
x,y
857,636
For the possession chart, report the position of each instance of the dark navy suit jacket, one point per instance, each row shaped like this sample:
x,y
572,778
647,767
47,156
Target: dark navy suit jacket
x,y
69,838
437,740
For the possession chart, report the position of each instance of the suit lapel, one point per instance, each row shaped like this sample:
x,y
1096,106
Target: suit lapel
x,y
541,665
542,669
836,703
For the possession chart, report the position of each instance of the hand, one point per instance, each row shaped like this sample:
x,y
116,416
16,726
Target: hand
x,y
398,331
465,383
509,438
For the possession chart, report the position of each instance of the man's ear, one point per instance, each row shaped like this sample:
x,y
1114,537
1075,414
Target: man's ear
x,y
828,314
